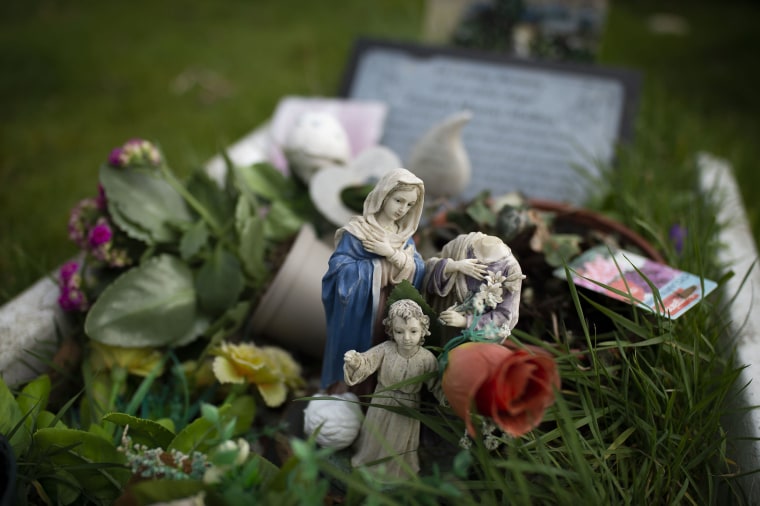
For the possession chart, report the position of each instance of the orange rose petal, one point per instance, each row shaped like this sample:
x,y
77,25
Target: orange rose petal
x,y
520,391
470,365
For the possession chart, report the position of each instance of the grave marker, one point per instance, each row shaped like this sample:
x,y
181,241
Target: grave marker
x,y
534,124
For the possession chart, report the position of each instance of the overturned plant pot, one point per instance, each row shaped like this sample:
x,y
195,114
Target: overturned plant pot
x,y
290,312
547,304
570,216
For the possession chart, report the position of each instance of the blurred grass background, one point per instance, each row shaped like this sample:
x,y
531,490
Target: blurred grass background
x,y
79,78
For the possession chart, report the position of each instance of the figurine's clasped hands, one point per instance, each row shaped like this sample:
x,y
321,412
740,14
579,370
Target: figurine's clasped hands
x,y
470,267
378,246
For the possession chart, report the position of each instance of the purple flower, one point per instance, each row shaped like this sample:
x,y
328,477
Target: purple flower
x,y
677,236
114,159
135,152
99,234
101,201
82,215
71,297
68,270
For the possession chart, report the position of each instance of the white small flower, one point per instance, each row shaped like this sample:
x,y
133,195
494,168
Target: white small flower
x,y
495,278
487,426
491,442
505,331
491,295
478,304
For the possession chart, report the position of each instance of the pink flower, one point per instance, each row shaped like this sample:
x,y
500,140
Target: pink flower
x,y
510,385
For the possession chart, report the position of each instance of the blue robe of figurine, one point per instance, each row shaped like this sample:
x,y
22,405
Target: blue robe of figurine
x,y
350,291
354,288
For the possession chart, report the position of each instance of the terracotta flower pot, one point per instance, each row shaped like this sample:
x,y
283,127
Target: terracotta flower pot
x,y
290,313
576,216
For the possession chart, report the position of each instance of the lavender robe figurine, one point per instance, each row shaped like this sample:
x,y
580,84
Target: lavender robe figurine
x,y
475,276
374,252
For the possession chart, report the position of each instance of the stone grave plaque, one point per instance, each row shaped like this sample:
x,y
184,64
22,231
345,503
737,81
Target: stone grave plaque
x,y
543,129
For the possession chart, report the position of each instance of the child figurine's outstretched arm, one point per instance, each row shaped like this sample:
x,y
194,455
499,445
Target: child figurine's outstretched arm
x,y
359,366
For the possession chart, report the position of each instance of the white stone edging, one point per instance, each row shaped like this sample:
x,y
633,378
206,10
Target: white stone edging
x,y
739,251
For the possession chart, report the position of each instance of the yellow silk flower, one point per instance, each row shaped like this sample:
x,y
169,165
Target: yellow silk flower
x,y
136,361
271,369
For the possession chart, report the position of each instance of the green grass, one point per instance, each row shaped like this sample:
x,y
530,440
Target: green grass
x,y
708,78
82,77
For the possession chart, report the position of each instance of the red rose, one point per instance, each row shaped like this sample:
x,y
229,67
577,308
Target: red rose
x,y
512,386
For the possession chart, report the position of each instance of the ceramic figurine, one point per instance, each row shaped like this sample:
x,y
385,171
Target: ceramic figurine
x,y
439,157
374,252
475,274
316,140
386,433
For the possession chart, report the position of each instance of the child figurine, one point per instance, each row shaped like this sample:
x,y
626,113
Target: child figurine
x,y
374,252
479,268
384,432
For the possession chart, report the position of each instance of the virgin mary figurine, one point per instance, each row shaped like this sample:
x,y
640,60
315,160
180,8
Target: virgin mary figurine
x,y
373,253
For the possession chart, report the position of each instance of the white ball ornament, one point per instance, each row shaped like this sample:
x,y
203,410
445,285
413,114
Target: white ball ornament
x,y
317,139
338,420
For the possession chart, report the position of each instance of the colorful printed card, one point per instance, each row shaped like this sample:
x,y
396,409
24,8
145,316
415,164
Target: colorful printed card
x,y
623,270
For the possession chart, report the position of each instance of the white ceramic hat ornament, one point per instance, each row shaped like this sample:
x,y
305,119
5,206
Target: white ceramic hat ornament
x,y
327,185
439,157
316,140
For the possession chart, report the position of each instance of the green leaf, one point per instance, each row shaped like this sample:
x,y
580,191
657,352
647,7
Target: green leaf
x,y
11,418
252,246
63,488
560,248
210,413
462,463
164,490
48,419
481,213
201,323
142,430
150,305
217,202
143,197
195,436
219,282
281,221
93,461
243,409
193,240
203,434
132,229
34,398
266,181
